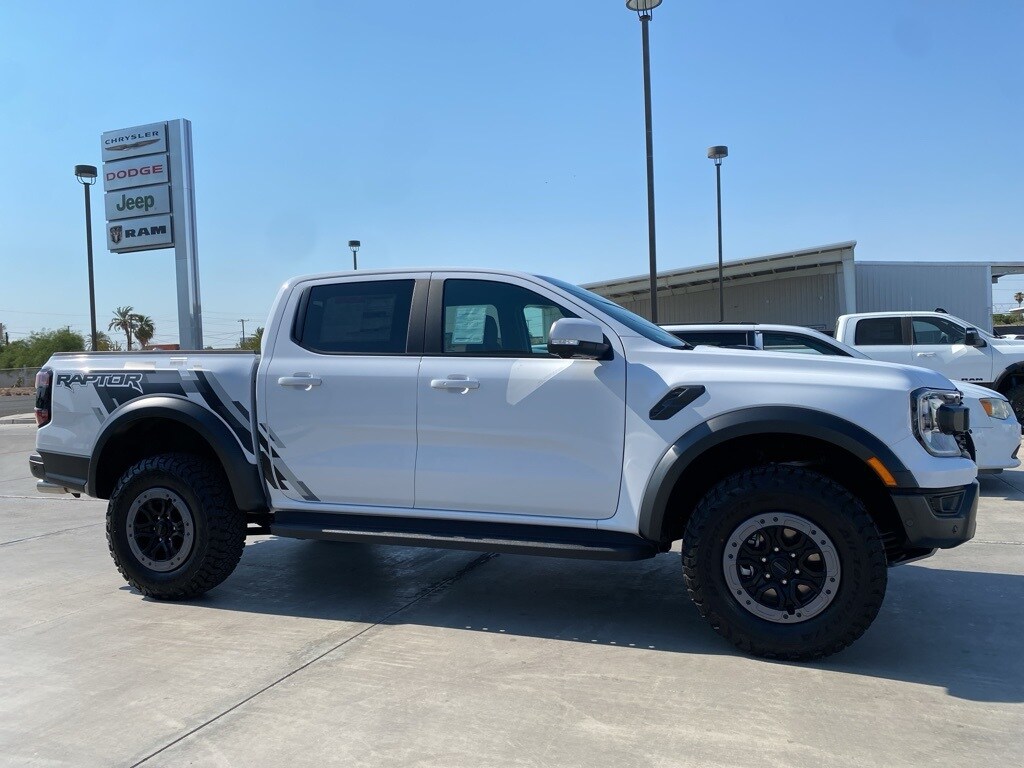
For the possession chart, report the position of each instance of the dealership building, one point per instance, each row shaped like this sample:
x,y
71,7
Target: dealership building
x,y
812,287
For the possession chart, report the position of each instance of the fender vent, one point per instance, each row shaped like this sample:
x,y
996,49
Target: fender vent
x,y
675,401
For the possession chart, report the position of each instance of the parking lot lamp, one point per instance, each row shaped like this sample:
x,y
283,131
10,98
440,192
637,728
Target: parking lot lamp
x,y
354,245
718,154
86,175
643,9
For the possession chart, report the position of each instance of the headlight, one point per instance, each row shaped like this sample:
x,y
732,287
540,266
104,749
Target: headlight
x,y
928,423
996,407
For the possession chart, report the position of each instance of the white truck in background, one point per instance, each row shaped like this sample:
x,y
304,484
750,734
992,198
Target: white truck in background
x,y
942,342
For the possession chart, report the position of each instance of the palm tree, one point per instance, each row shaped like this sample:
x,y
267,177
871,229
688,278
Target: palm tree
x,y
1019,298
144,329
124,320
104,343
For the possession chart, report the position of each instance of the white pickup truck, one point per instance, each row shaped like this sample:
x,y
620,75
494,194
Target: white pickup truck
x,y
994,439
505,412
942,342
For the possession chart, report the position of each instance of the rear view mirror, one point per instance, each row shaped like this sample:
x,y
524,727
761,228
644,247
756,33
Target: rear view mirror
x,y
571,337
974,338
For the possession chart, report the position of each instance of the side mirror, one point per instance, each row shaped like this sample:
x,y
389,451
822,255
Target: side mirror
x,y
974,338
573,338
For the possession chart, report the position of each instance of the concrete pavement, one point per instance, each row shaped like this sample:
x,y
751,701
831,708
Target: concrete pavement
x,y
319,653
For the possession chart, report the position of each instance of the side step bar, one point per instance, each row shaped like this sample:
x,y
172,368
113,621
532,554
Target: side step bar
x,y
581,543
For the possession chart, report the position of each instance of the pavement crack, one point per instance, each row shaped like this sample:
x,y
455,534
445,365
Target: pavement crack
x,y
433,589
44,535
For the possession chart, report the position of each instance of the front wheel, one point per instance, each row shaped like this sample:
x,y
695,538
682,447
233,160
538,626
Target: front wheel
x,y
784,562
1015,395
173,528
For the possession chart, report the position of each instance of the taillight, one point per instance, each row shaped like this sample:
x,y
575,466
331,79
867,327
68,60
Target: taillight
x,y
44,396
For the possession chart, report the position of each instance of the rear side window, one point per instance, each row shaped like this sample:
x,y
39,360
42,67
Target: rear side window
x,y
368,318
714,338
879,330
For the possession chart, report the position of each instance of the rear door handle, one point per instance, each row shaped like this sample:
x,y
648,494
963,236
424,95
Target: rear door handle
x,y
300,380
926,354
455,385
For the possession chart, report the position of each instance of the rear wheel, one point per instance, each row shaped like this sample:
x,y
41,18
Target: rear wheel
x,y
784,562
173,528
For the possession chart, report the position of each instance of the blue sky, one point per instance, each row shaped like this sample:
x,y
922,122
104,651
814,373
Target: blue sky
x,y
505,135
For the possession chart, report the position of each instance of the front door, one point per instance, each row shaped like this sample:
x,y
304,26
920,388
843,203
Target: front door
x,y
503,426
338,396
939,344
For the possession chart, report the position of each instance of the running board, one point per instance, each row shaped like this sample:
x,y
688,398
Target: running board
x,y
581,543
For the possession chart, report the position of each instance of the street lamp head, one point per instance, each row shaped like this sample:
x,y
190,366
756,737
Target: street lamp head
x,y
354,245
718,154
86,173
642,6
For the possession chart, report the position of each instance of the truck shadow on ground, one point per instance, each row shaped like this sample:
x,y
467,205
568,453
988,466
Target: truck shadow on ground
x,y
960,630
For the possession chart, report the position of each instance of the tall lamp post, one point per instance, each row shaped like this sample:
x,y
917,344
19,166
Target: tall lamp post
x,y
86,175
718,154
354,245
643,9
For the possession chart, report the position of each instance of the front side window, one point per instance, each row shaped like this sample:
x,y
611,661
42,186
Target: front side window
x,y
936,330
484,317
362,318
879,331
713,338
776,341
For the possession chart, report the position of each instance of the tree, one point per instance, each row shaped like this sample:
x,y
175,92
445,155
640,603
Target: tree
x,y
144,329
124,320
105,344
37,348
254,341
1019,298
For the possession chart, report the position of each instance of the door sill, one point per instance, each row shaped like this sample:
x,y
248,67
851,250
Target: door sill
x,y
550,541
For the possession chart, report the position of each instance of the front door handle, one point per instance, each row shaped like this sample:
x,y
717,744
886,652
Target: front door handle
x,y
453,384
301,381
926,354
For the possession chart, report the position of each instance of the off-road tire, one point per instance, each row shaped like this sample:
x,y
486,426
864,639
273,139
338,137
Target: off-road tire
x,y
218,527
835,511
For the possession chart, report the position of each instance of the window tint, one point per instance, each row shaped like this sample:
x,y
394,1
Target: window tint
x,y
370,318
714,338
482,317
879,330
777,341
935,330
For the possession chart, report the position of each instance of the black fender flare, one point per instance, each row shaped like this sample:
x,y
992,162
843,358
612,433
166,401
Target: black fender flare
x,y
1017,369
778,419
243,476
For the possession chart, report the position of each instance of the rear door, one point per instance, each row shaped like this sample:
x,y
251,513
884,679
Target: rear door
x,y
884,338
939,344
338,393
504,427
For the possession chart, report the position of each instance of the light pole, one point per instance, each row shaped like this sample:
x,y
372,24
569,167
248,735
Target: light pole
x,y
354,245
643,9
718,154
86,174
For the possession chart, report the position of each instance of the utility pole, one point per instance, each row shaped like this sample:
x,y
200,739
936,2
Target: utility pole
x,y
242,341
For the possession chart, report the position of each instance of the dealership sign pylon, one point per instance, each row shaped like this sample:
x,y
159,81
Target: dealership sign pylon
x,y
149,202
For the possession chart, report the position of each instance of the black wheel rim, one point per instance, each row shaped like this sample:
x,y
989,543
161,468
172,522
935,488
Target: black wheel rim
x,y
160,529
781,567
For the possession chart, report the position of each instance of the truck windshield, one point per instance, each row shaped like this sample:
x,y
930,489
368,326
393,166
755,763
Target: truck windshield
x,y
634,322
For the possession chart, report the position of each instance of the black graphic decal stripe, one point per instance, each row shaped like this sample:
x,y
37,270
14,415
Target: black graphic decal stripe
x,y
215,403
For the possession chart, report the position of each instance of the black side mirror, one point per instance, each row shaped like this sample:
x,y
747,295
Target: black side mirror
x,y
974,338
575,338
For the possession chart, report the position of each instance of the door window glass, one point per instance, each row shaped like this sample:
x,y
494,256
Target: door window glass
x,y
777,341
714,338
482,317
367,318
879,331
935,330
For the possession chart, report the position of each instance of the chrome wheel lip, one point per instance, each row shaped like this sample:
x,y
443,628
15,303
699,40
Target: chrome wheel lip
x,y
180,511
830,556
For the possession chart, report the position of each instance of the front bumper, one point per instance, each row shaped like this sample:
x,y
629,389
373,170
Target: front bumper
x,y
938,517
996,447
